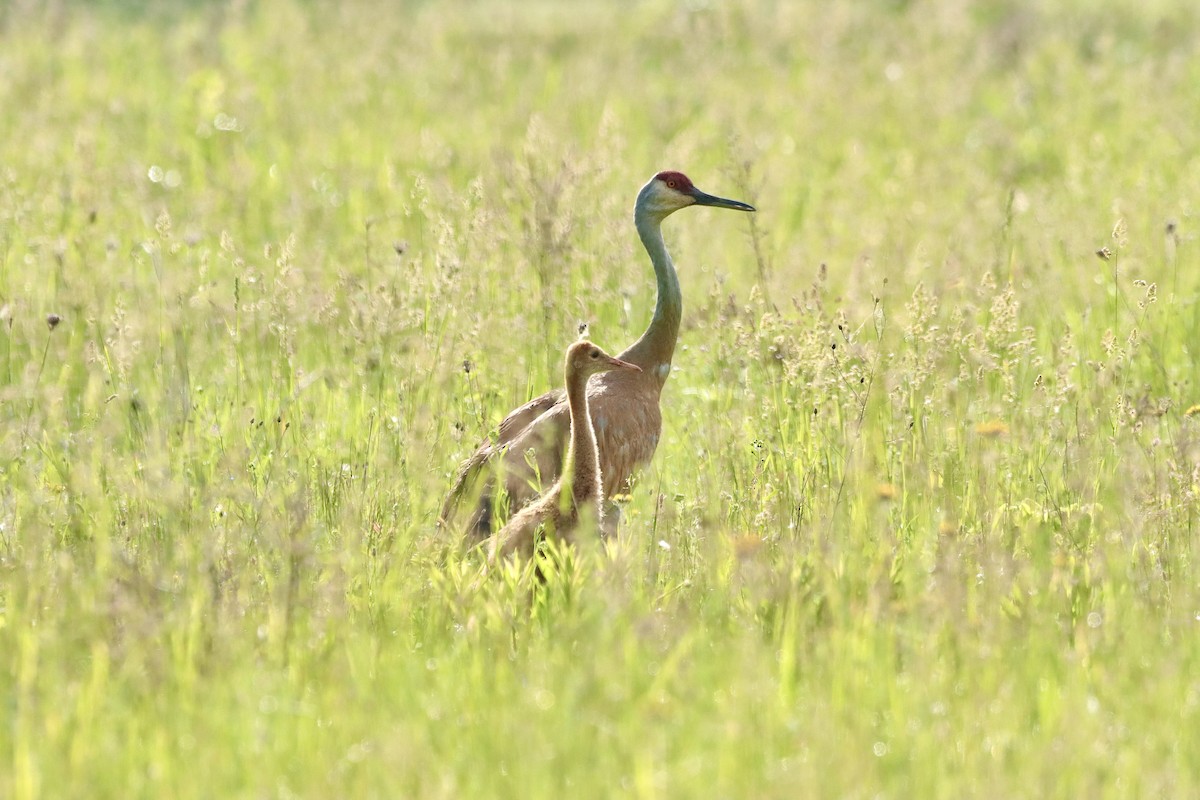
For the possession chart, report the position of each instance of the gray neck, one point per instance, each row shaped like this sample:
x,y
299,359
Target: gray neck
x,y
657,345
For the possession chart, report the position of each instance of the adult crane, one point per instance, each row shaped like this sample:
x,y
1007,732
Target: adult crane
x,y
624,404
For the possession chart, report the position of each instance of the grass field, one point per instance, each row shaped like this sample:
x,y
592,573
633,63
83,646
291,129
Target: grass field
x,y
923,520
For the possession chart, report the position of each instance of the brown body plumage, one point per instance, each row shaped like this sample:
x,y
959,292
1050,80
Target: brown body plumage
x,y
578,493
624,405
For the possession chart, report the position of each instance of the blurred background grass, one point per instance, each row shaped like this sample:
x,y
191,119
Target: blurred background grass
x,y
922,520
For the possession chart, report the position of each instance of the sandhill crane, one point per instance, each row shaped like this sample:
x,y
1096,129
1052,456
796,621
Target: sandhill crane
x,y
579,491
624,404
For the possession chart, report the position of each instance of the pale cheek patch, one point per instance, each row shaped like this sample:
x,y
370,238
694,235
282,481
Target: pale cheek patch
x,y
663,370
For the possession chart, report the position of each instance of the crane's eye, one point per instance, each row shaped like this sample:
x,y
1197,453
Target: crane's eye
x,y
595,354
671,184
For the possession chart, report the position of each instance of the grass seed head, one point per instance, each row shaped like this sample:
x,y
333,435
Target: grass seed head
x,y
747,546
991,429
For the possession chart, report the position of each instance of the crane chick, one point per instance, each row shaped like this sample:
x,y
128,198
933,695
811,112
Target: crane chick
x,y
579,491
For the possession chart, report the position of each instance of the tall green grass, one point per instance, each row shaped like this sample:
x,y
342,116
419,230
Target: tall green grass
x,y
923,518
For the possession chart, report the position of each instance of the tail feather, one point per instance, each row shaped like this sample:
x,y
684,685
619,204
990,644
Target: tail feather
x,y
464,481
474,468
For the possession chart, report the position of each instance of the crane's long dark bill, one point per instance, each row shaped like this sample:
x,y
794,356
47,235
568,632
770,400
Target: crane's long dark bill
x,y
703,199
